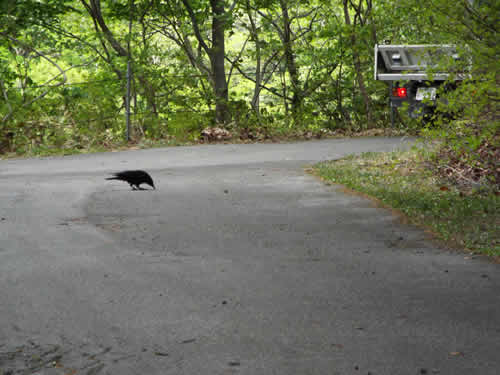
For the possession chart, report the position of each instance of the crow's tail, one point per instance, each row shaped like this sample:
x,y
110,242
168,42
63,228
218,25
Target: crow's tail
x,y
113,178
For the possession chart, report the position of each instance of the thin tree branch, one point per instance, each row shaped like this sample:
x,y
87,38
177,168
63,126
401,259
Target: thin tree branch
x,y
236,60
94,9
196,28
61,31
263,86
6,97
233,5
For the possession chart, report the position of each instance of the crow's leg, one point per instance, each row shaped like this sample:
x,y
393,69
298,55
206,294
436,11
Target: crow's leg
x,y
132,186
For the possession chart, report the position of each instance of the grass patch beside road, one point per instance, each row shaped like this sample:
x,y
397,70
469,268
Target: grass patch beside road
x,y
405,181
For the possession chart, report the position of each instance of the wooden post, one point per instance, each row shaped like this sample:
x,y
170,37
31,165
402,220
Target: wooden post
x,y
129,72
127,100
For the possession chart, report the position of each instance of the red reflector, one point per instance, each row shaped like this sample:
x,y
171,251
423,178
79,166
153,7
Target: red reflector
x,y
399,92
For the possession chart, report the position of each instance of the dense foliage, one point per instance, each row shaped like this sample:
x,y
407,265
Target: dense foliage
x,y
254,67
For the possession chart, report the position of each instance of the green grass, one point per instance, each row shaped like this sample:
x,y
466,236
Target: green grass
x,y
404,181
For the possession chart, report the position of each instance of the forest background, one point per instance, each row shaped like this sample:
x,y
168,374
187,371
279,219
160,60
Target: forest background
x,y
254,69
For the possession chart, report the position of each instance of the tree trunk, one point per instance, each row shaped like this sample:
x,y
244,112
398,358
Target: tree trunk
x,y
217,61
255,103
357,65
291,65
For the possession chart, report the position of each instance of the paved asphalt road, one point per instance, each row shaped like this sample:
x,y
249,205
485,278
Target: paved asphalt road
x,y
239,263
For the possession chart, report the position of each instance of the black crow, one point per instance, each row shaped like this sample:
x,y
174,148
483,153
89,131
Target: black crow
x,y
134,178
